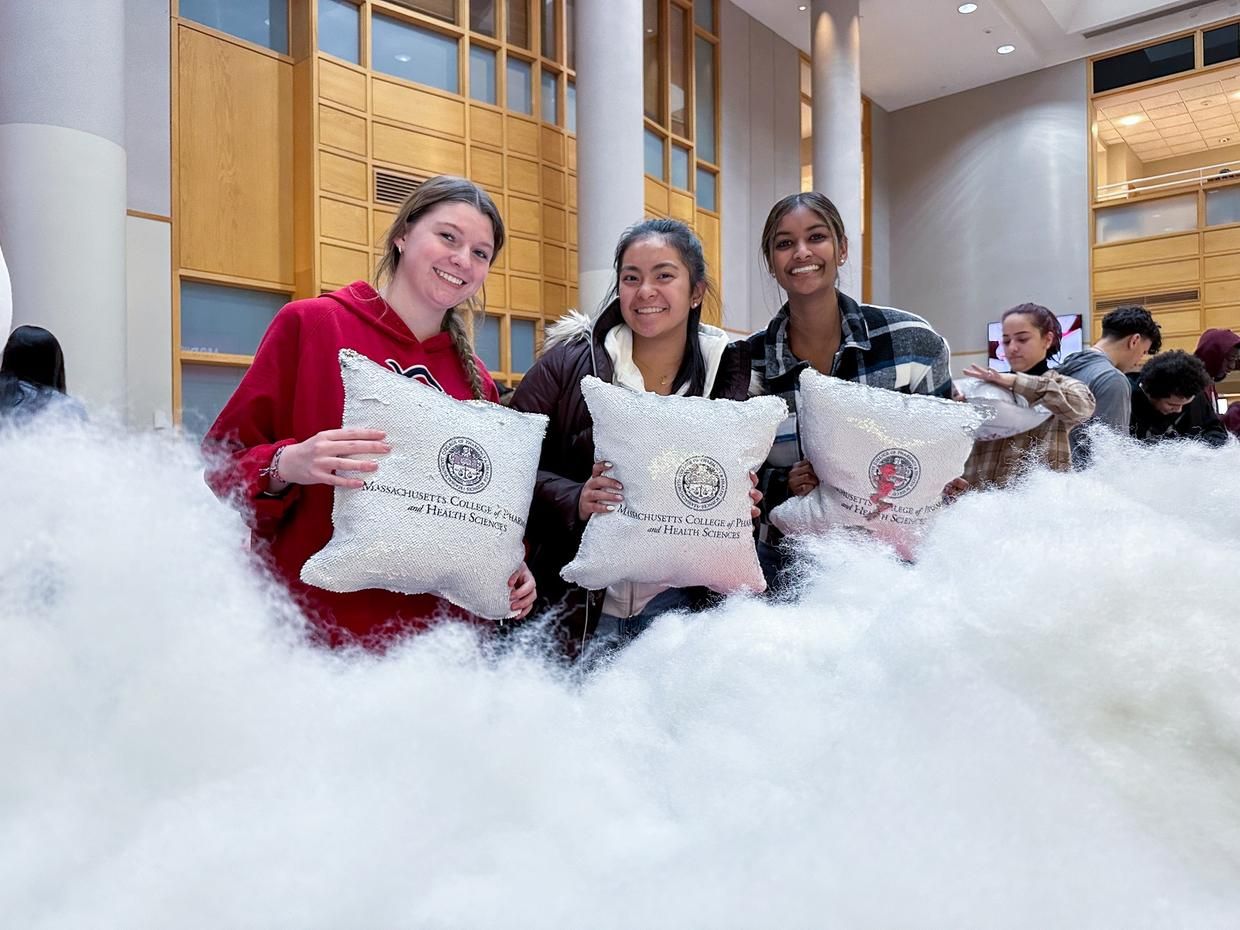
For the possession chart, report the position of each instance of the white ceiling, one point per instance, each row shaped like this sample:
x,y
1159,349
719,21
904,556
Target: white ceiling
x,y
916,50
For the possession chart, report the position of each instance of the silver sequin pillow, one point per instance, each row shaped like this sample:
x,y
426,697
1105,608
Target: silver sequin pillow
x,y
684,463
445,513
882,458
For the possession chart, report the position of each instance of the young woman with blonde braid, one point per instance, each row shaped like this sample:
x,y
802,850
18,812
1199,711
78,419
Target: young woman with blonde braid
x,y
280,432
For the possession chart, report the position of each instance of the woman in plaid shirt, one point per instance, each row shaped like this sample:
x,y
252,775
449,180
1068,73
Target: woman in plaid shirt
x,y
1031,335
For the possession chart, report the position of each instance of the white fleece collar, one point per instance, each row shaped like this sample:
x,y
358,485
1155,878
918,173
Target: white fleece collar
x,y
619,345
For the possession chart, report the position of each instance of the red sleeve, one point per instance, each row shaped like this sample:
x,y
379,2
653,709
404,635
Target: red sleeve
x,y
256,421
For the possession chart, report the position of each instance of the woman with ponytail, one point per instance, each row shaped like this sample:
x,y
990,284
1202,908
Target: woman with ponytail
x,y
1031,336
648,337
277,444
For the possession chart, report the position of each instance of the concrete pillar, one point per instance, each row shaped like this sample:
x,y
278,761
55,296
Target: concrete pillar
x,y
610,187
6,300
62,182
835,44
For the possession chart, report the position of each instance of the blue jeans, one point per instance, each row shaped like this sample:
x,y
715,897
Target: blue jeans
x,y
626,628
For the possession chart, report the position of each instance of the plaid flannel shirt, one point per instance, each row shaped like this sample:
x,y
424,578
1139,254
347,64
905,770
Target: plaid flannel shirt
x,y
879,346
998,461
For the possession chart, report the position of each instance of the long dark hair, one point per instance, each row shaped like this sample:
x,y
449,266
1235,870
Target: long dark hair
x,y
1044,320
692,369
446,189
32,354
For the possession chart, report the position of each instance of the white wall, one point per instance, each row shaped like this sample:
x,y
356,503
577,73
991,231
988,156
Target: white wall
x,y
148,288
148,90
760,107
880,208
988,198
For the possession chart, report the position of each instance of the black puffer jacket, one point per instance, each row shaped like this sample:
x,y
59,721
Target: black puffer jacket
x,y
553,387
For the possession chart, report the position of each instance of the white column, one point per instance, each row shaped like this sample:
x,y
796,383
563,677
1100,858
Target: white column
x,y
6,300
610,187
62,182
835,44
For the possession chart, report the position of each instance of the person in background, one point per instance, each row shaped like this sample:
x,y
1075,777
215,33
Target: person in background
x,y
1231,419
648,337
1031,336
278,442
1128,335
1163,401
32,376
1219,351
804,243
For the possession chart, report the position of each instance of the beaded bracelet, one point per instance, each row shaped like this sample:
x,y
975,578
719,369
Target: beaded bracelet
x,y
273,469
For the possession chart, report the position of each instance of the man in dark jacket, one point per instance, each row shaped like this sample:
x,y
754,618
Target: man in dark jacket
x,y
1162,401
1128,335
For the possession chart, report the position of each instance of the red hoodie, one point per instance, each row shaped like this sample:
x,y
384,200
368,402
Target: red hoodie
x,y
1213,349
292,391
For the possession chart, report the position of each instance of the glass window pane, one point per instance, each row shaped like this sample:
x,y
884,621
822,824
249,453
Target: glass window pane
x,y
482,74
1144,64
680,167
678,88
413,53
654,155
707,190
520,95
519,23
524,333
230,320
652,62
440,9
807,79
205,389
704,117
550,35
570,107
486,342
1221,44
1150,218
482,16
1223,206
570,23
339,28
550,98
263,22
704,14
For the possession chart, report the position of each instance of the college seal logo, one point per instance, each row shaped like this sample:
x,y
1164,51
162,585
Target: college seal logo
x,y
893,473
701,483
465,465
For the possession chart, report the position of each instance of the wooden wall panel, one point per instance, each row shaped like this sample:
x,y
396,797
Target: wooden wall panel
x,y
552,184
1221,266
552,146
344,266
572,227
496,291
417,151
1174,322
1147,279
1146,250
486,127
555,299
341,84
523,216
554,223
379,223
1214,293
522,136
572,193
1222,240
1223,317
572,266
342,130
707,227
656,197
234,125
680,206
571,147
555,261
523,293
341,175
417,107
347,221
487,168
524,255
522,175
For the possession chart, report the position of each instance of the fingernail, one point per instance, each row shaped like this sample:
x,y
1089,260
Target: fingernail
x,y
611,506
607,464
387,448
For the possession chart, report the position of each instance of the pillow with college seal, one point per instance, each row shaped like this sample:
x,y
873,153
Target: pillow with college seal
x,y
882,458
1008,412
445,513
684,463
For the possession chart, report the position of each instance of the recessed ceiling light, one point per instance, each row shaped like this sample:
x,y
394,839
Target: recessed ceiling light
x,y
1131,120
1006,49
966,8
802,8
402,57
1225,139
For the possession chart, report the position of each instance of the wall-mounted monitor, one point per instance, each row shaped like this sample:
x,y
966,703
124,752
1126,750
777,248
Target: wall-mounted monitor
x,y
1073,341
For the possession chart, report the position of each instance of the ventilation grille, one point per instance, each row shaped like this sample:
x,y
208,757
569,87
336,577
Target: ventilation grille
x,y
394,188
1148,300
